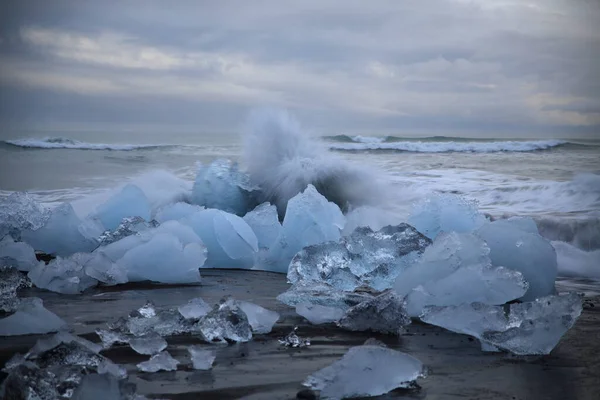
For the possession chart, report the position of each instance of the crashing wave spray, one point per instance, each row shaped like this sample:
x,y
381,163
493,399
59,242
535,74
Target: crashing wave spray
x,y
283,160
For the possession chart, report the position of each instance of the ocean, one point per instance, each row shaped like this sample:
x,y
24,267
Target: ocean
x,y
554,181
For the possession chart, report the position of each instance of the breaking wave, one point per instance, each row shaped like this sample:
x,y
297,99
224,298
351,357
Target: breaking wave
x,y
65,143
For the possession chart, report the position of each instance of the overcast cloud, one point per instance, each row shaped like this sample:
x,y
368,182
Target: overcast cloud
x,y
488,66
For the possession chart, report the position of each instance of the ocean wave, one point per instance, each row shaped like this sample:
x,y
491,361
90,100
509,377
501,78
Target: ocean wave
x,y
450,146
65,143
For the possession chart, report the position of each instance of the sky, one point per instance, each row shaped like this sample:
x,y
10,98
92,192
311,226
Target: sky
x,y
485,67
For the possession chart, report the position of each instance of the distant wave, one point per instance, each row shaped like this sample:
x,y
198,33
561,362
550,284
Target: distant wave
x,y
65,143
449,146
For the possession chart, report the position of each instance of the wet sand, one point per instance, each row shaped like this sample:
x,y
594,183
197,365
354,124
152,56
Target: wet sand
x,y
263,369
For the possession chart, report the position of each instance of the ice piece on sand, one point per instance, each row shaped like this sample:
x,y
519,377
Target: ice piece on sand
x,y
477,283
17,254
202,359
148,344
109,338
260,319
100,267
222,186
317,314
321,294
159,362
63,275
363,258
444,212
11,280
31,318
264,221
309,219
293,340
229,240
61,234
128,226
147,320
365,371
528,253
385,313
128,202
226,321
101,387
19,212
373,217
176,211
194,309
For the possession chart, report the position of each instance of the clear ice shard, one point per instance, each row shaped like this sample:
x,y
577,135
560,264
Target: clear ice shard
x,y
365,257
11,280
63,275
176,211
194,309
128,202
109,338
385,313
523,251
19,212
100,267
159,362
147,320
264,221
31,318
445,213
226,321
103,387
202,359
17,254
260,319
61,234
128,226
365,371
222,186
317,315
533,327
322,294
309,219
229,240
149,344
293,340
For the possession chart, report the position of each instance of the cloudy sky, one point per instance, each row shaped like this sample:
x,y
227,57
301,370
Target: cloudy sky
x,y
446,66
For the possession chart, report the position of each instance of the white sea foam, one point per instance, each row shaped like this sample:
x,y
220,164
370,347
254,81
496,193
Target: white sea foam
x,y
65,143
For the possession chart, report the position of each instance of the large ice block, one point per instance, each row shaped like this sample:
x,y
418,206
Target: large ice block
x,y
522,251
63,275
222,186
385,313
260,319
264,221
61,234
128,202
31,318
365,371
159,362
445,213
17,254
176,211
225,322
18,212
103,387
317,315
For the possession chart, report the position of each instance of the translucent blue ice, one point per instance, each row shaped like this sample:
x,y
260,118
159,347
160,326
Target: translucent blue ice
x,y
128,202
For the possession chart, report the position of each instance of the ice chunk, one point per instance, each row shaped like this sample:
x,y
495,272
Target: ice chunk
x,y
48,343
309,219
17,254
159,362
147,320
363,258
102,387
128,226
528,253
61,234
31,318
109,338
264,221
226,321
230,242
293,340
317,314
11,280
575,262
365,371
222,186
128,202
530,328
63,275
148,344
526,224
385,313
445,213
260,319
367,216
19,212
201,359
177,211
477,283
100,267
322,294
194,309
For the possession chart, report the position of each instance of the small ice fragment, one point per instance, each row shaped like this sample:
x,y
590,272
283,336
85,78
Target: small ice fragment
x,y
128,226
148,344
385,313
260,319
129,202
19,212
159,362
31,318
194,309
48,343
317,314
109,338
202,359
321,294
11,280
293,340
147,310
17,254
365,371
264,221
226,321
63,275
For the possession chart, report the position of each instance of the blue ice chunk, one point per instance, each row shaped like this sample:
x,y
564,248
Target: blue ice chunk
x,y
20,211
31,318
63,275
176,211
17,254
129,202
264,221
